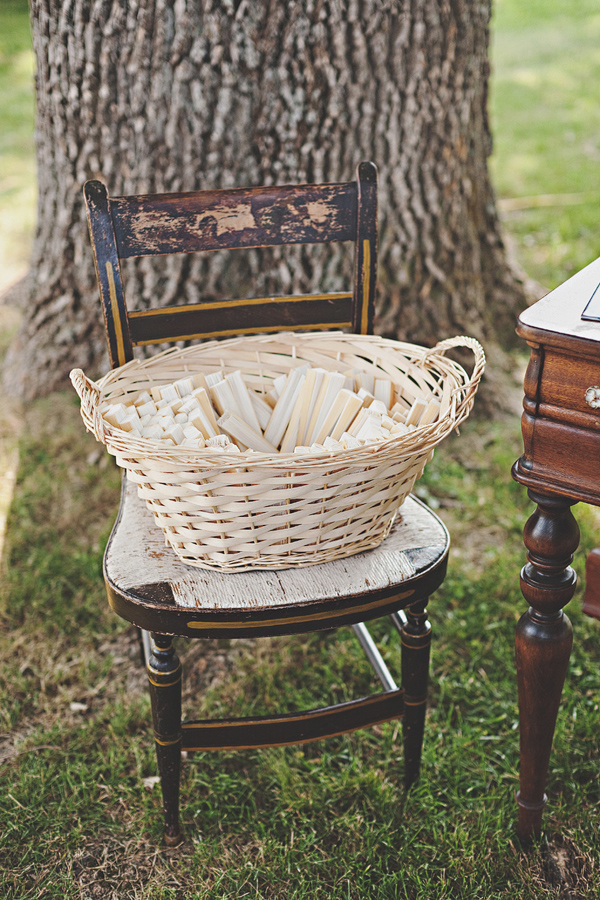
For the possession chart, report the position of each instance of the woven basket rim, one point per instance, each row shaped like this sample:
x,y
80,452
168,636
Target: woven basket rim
x,y
122,444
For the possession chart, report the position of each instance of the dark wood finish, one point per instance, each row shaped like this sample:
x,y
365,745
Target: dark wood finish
x,y
591,600
565,459
153,224
564,385
156,224
560,465
416,644
122,227
365,263
108,273
164,677
152,606
272,621
293,728
543,645
210,320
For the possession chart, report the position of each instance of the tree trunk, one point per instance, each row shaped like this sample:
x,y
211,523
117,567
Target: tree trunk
x,y
172,95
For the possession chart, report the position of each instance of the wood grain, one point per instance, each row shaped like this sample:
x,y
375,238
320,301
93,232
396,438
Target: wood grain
x,y
240,218
243,217
560,466
148,584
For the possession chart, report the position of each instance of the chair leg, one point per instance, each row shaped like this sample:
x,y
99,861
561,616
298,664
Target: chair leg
x,y
416,641
164,675
144,645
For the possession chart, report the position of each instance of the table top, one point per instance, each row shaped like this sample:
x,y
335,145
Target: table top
x,y
557,316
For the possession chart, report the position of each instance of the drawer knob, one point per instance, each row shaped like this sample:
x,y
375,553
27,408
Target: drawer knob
x,y
592,397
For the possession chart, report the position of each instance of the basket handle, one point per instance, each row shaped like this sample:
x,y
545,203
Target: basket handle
x,y
89,394
472,383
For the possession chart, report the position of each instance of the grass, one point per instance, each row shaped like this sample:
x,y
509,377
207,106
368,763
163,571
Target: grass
x,y
17,163
545,113
79,804
326,820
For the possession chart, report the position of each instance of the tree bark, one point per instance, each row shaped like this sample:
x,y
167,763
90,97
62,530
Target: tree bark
x,y
173,95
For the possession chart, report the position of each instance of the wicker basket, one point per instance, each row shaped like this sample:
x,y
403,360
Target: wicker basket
x,y
254,511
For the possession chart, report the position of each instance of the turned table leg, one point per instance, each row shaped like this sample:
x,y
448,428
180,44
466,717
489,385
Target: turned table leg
x,y
591,600
543,645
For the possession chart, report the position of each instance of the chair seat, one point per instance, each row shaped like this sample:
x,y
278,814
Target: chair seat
x,y
151,587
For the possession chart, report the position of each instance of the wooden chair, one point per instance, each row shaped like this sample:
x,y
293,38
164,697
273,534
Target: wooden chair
x,y
149,586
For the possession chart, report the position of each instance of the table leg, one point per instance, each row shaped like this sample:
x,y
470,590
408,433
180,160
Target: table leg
x,y
591,600
543,645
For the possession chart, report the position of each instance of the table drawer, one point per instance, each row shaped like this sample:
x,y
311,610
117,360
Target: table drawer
x,y
560,458
565,382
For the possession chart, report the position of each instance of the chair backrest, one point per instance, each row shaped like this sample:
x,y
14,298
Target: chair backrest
x,y
155,224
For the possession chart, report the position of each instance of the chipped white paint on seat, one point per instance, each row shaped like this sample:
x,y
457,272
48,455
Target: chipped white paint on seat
x,y
138,555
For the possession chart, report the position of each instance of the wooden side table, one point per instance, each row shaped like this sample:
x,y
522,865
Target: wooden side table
x,y
560,467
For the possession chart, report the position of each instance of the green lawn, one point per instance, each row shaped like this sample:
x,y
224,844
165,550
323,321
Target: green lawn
x,y
79,810
545,113
17,163
326,820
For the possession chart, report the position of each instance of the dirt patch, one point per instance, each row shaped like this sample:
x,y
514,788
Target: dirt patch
x,y
568,868
108,869
565,868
